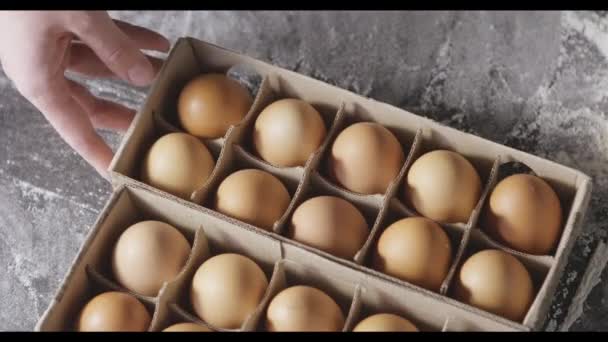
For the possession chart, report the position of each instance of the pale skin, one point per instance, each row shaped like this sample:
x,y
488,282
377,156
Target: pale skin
x,y
39,47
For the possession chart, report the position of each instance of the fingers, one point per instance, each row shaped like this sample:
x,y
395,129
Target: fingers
x,y
84,61
113,47
144,38
102,113
68,117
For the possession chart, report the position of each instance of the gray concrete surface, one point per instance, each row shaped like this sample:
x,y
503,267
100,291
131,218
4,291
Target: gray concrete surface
x,y
534,81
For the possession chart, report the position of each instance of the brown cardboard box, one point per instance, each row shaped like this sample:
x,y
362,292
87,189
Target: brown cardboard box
x,y
374,290
357,293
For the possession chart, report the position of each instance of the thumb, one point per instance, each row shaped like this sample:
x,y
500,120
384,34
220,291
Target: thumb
x,y
115,49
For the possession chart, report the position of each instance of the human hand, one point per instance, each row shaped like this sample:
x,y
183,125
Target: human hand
x,y
38,47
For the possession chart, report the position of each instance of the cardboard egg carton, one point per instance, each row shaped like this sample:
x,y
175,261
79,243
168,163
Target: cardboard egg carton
x,y
374,291
357,293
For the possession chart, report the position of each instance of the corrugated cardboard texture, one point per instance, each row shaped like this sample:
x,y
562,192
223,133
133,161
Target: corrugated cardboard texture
x,y
340,108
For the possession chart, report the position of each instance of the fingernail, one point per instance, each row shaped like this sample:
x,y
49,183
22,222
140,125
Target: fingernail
x,y
141,74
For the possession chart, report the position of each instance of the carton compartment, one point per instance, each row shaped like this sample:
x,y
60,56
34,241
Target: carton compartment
x,y
220,240
102,267
538,268
431,140
395,212
377,302
289,273
191,67
278,88
355,113
566,192
235,159
315,186
181,293
96,284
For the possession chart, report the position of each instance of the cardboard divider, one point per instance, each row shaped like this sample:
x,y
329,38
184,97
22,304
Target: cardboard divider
x,y
456,260
394,187
107,283
289,273
487,188
382,203
397,206
171,314
355,308
541,262
200,252
468,229
446,325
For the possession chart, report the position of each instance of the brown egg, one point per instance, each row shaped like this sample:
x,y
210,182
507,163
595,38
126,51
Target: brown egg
x,y
210,103
385,322
303,308
177,163
525,214
365,158
408,247
443,186
330,224
186,327
253,196
288,132
114,311
497,282
147,255
226,289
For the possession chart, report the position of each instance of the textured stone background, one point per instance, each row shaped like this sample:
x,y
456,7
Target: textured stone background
x,y
536,81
